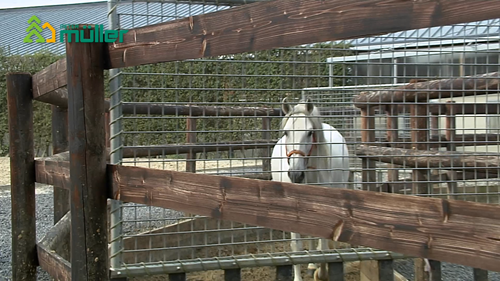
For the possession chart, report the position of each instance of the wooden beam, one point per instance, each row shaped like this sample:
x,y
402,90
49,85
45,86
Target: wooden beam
x,y
22,176
442,88
195,110
48,82
454,231
286,23
60,144
54,170
431,159
174,149
87,144
49,248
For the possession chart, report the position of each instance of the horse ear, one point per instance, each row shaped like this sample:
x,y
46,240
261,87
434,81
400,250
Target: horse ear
x,y
285,106
309,105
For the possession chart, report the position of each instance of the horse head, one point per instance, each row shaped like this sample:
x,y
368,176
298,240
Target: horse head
x,y
301,127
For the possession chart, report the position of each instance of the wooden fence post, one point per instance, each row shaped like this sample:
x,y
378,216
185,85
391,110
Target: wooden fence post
x,y
60,144
22,176
420,135
450,137
392,138
191,138
369,176
266,135
85,76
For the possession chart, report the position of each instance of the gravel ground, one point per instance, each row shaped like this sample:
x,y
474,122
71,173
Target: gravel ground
x,y
44,217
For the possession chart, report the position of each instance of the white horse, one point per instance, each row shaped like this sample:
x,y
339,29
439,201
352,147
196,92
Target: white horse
x,y
310,152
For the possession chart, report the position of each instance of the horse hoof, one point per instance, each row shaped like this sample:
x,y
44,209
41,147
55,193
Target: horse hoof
x,y
318,278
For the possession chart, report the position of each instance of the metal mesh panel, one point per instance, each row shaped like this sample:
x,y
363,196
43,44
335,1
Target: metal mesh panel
x,y
176,116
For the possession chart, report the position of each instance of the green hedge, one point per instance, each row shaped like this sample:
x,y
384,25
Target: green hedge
x,y
260,78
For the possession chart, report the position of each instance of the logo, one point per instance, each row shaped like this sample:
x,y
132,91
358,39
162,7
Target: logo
x,y
34,29
97,33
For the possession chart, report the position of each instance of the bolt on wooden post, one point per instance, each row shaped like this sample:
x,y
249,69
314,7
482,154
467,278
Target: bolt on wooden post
x,y
22,176
87,147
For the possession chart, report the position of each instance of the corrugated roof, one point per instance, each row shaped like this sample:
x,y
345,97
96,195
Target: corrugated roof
x,y
15,21
414,38
131,14
136,14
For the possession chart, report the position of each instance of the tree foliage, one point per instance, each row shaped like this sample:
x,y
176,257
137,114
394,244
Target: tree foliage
x,y
250,79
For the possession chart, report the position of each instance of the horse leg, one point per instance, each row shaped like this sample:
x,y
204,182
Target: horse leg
x,y
322,273
296,246
311,267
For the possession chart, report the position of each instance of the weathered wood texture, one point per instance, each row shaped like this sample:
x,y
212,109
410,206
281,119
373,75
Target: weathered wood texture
x,y
60,144
48,82
194,110
54,170
191,139
89,245
443,88
173,149
50,247
431,159
286,23
22,176
454,231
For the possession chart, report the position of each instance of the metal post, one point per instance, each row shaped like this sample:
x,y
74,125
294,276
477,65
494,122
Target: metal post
x,y
116,157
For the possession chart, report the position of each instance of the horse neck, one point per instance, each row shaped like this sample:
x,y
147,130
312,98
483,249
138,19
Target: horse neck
x,y
320,151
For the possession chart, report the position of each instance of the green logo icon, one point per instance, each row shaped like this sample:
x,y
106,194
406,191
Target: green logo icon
x,y
34,29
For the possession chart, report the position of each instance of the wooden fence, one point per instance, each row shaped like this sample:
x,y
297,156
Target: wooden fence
x,y
439,229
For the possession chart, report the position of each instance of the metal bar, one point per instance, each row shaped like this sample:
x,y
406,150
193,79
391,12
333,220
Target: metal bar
x,y
246,261
116,150
22,176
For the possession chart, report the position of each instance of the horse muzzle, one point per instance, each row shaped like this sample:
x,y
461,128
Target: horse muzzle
x,y
296,176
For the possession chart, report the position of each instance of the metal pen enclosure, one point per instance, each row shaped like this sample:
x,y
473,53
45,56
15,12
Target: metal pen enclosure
x,y
186,116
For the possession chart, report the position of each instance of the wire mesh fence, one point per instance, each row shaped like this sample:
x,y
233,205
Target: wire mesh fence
x,y
222,116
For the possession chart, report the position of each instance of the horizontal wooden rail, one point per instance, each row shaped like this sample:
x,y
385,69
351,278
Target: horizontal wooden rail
x,y
454,231
48,82
431,159
193,110
50,247
423,91
172,149
286,23
440,108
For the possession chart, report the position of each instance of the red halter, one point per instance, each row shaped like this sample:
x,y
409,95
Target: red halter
x,y
300,152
